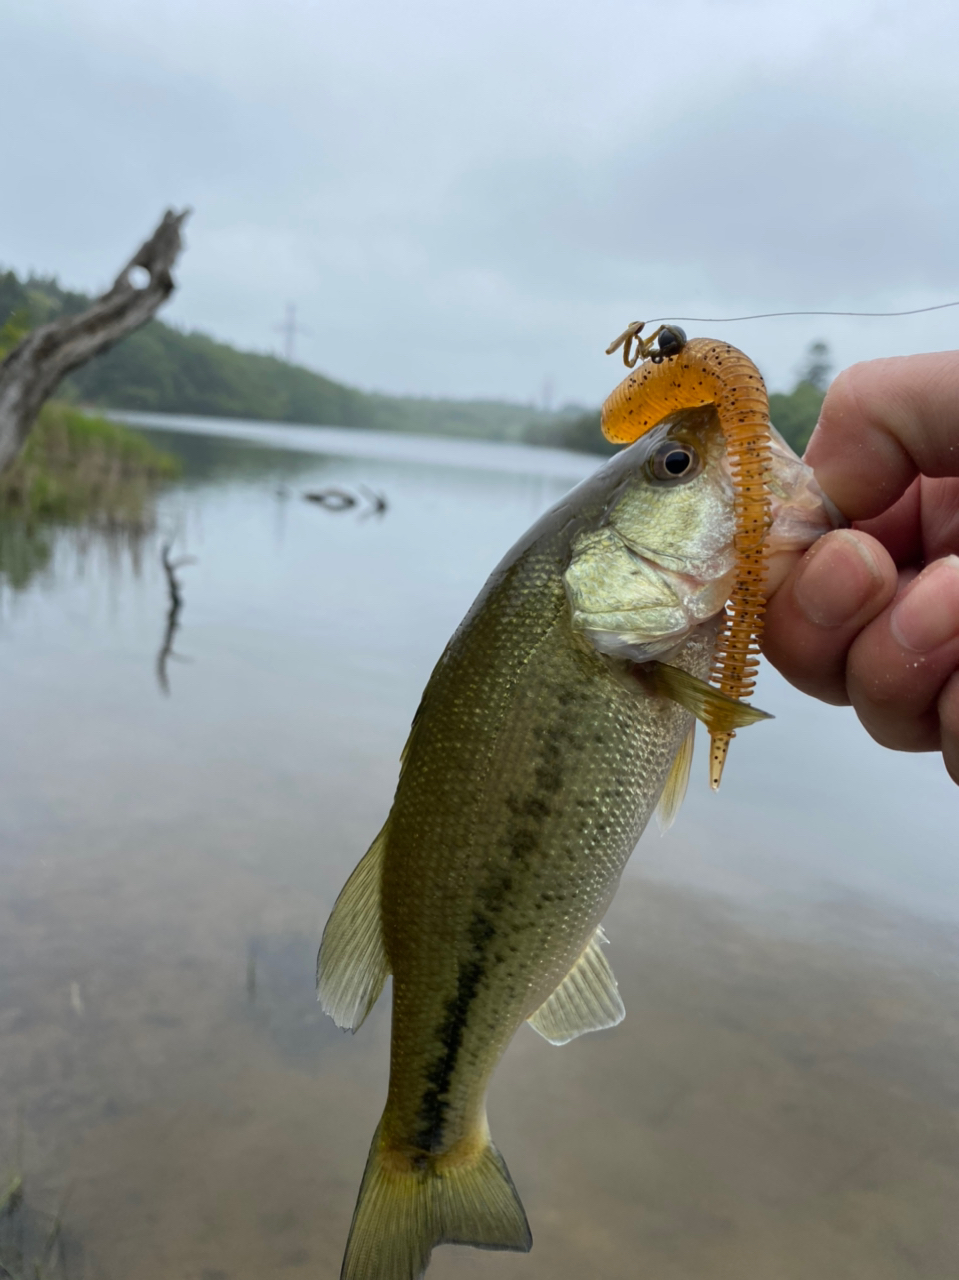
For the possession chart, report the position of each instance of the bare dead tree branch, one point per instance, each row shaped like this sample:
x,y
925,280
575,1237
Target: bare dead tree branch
x,y
32,370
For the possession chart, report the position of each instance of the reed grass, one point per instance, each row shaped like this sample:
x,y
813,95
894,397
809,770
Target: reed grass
x,y
79,468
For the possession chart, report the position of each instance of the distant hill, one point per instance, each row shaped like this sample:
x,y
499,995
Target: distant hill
x,y
164,370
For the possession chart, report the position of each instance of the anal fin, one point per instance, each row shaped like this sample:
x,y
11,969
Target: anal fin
x,y
587,999
352,966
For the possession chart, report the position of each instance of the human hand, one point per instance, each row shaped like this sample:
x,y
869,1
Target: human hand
x,y
870,614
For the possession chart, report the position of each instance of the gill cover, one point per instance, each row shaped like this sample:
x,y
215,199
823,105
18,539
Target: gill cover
x,y
679,374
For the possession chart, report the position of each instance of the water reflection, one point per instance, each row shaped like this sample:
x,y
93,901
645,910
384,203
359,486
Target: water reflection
x,y
170,568
38,551
25,551
218,460
781,1098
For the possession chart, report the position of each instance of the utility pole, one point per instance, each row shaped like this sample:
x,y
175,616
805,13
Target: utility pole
x,y
290,328
549,391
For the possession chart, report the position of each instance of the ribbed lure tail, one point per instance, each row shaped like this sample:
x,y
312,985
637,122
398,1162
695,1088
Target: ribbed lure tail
x,y
687,375
404,1211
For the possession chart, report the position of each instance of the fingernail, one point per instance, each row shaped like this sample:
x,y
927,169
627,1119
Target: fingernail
x,y
928,615
839,577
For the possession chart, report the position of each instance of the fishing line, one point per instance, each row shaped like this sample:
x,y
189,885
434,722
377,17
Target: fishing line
x,y
773,315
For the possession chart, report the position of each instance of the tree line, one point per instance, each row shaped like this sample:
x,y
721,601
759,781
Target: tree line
x,y
162,369
794,414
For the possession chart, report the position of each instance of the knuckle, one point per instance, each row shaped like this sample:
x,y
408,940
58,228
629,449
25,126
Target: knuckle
x,y
895,699
852,390
900,732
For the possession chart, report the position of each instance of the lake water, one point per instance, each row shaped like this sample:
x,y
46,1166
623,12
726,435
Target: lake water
x,y
783,1097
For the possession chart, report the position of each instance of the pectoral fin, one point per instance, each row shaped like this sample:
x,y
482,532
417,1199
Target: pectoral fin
x,y
587,999
718,713
352,966
674,792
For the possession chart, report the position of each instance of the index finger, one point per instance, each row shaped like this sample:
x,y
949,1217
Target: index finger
x,y
883,423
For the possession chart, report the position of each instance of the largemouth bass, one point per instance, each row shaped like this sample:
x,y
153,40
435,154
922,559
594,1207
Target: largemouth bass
x,y
556,721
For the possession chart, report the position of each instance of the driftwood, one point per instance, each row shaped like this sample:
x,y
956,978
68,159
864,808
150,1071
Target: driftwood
x,y
332,499
341,500
32,370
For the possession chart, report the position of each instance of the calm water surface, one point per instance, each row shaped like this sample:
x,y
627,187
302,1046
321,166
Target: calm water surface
x,y
783,1097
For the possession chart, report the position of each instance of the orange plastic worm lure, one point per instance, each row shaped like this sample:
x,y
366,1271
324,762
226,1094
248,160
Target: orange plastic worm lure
x,y
679,374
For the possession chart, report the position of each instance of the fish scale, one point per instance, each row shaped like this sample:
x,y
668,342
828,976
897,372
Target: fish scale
x,y
572,762
544,740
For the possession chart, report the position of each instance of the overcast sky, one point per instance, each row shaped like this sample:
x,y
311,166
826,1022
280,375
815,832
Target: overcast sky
x,y
473,199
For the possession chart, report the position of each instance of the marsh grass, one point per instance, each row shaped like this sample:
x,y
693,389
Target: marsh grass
x,y
80,469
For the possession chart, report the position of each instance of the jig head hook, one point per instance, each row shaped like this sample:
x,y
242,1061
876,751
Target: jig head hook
x,y
667,340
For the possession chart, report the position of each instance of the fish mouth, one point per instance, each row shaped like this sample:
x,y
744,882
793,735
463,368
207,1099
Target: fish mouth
x,y
641,603
801,513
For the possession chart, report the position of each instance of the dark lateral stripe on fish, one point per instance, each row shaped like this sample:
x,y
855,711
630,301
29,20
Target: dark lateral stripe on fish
x,y
439,1077
530,813
524,845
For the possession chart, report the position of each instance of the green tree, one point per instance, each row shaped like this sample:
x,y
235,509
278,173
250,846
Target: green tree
x,y
163,369
14,329
795,415
585,435
817,366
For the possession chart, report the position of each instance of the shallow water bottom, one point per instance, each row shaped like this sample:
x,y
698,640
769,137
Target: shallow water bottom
x,y
770,1107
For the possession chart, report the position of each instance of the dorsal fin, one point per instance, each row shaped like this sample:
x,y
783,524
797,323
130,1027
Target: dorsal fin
x,y
587,999
352,966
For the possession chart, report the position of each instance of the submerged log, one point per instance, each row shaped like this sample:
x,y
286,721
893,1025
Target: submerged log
x,y
32,370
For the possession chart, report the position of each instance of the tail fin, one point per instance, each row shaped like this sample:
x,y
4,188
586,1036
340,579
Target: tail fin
x,y
402,1212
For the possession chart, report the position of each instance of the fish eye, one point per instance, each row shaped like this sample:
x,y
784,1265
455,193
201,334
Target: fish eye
x,y
673,461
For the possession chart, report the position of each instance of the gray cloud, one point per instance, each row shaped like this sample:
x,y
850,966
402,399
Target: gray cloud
x,y
464,200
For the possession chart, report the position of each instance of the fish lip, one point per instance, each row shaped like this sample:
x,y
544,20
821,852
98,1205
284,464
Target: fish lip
x,y
801,512
802,517
839,521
